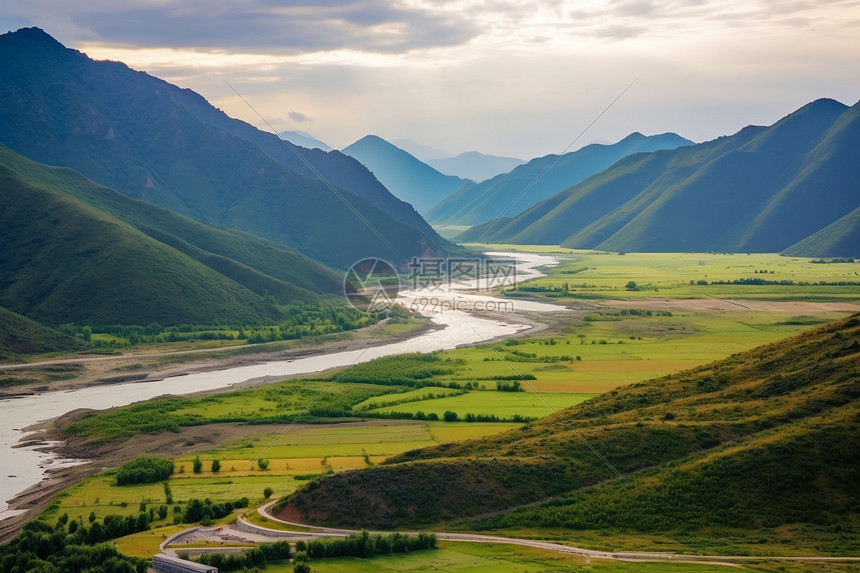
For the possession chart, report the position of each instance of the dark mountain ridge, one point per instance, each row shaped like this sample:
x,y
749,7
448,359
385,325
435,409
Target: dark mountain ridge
x,y
154,141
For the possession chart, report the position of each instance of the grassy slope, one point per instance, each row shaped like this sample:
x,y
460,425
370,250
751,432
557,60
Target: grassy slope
x,y
145,138
20,335
764,438
258,264
760,190
67,261
486,200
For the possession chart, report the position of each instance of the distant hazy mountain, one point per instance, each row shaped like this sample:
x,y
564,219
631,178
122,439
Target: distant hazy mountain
x,y
420,151
792,185
154,141
474,165
303,139
511,193
408,178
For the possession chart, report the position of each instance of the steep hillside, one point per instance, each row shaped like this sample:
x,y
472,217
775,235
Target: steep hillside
x,y
260,265
20,335
762,439
153,141
540,178
761,190
67,261
474,165
408,178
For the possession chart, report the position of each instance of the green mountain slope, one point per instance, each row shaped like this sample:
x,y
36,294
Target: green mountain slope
x,y
260,265
20,335
762,439
834,240
760,190
67,261
408,178
153,141
540,178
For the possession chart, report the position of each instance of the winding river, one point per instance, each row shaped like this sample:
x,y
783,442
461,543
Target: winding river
x,y
23,467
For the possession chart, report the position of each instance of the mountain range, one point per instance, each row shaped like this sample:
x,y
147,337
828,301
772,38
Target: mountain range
x,y
405,176
511,193
766,440
474,165
75,251
303,139
790,187
153,141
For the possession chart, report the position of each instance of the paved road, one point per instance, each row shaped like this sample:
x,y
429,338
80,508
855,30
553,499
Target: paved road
x,y
727,560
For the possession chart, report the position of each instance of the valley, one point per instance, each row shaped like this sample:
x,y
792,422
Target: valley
x,y
429,287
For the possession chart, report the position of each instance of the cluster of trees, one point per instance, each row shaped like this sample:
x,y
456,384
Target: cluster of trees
x,y
206,511
41,547
366,545
144,469
640,312
784,282
413,370
256,557
512,386
299,320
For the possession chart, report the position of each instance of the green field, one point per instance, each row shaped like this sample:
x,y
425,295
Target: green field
x,y
594,275
489,558
504,405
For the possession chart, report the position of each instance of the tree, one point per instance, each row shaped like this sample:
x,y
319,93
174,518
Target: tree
x,y
197,465
450,416
216,466
632,286
87,333
92,516
263,464
267,493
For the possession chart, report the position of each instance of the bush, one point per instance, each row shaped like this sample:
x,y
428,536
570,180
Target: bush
x,y
144,469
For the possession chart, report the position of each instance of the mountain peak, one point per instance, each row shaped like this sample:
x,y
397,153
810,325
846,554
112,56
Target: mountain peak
x,y
31,36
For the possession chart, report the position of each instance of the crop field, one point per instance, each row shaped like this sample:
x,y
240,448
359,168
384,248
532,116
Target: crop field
x,y
504,405
292,458
594,275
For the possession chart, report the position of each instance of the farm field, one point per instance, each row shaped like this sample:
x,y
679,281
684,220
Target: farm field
x,y
292,458
597,275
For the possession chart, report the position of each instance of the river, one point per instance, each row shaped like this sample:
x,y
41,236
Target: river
x,y
21,468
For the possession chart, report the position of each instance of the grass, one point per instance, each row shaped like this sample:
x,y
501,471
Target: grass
x,y
490,558
596,275
504,405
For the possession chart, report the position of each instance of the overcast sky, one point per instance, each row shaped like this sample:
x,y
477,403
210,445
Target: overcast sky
x,y
517,77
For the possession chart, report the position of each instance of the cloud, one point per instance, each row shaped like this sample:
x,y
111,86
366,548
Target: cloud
x,y
275,27
298,117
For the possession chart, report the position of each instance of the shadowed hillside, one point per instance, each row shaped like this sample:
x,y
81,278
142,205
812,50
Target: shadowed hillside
x,y
153,141
762,439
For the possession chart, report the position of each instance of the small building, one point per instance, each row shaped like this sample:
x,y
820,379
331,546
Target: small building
x,y
164,563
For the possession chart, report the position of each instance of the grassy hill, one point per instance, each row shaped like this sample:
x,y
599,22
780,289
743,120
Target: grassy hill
x,y
66,260
153,141
540,178
20,335
408,178
764,439
762,189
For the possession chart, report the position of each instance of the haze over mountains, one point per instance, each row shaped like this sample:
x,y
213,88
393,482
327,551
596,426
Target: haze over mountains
x,y
405,176
540,178
791,187
474,165
154,141
304,140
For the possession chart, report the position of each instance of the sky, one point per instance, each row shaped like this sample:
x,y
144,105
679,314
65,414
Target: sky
x,y
520,78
